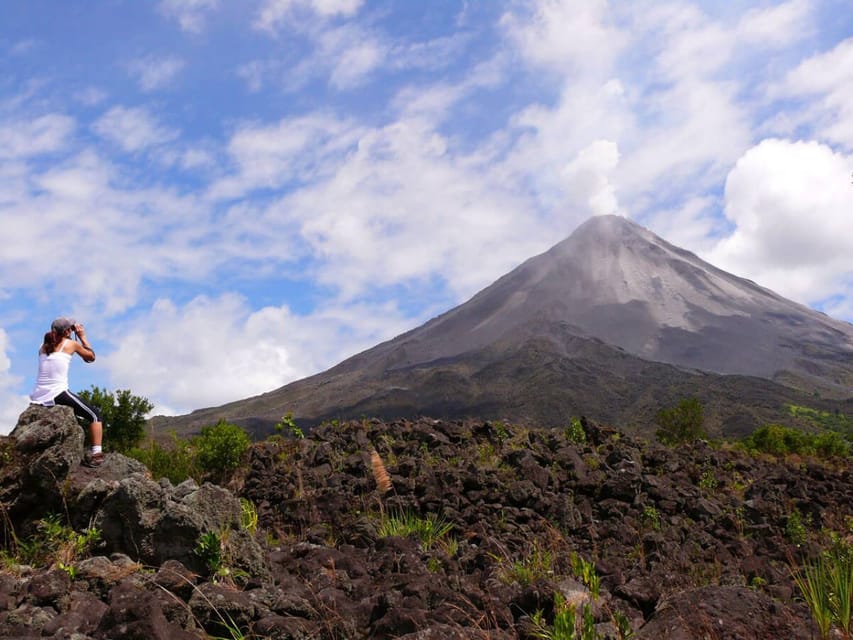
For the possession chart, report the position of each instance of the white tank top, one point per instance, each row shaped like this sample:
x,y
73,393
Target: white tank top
x,y
52,377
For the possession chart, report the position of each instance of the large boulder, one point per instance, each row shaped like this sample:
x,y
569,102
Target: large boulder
x,y
155,522
43,448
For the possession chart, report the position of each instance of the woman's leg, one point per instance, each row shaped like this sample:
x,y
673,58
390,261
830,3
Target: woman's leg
x,y
87,413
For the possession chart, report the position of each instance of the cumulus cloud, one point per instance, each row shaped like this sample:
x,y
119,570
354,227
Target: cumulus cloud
x,y
153,72
133,129
790,205
215,350
12,403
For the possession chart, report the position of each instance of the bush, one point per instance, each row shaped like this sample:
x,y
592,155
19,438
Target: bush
x,y
779,440
123,415
177,462
220,448
682,423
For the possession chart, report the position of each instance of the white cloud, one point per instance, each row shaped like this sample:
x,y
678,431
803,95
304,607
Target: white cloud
x,y
273,12
215,350
790,203
190,14
11,402
355,62
133,129
347,54
778,25
828,77
291,152
566,36
154,73
23,138
404,208
587,177
112,235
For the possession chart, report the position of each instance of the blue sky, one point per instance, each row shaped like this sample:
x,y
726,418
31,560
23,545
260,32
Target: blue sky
x,y
234,195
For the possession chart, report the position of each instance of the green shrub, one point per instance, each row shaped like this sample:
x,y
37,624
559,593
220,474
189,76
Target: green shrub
x,y
123,415
795,528
682,423
779,440
177,462
829,444
575,432
220,448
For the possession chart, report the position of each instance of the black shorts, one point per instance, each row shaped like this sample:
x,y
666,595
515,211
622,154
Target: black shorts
x,y
86,412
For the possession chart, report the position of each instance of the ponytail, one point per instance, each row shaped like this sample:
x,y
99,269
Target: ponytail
x,y
51,341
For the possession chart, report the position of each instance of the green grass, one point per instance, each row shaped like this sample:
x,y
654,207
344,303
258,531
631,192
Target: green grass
x,y
826,584
535,565
403,523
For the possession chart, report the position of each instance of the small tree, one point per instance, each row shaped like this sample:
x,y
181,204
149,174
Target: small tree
x,y
220,448
123,414
682,423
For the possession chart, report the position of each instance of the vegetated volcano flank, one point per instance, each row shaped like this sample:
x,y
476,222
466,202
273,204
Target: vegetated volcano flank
x,y
613,323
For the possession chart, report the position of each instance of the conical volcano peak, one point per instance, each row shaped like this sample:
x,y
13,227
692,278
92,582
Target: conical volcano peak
x,y
605,323
609,225
610,235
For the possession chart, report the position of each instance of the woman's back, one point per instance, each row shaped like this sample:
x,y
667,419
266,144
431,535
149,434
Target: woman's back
x,y
52,376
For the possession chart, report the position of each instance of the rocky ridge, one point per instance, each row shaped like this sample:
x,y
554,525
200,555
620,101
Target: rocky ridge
x,y
686,543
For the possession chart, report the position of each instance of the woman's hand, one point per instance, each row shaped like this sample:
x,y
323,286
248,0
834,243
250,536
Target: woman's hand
x,y
79,330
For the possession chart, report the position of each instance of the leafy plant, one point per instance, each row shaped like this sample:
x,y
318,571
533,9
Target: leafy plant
x,y
248,515
211,550
288,424
220,448
56,542
575,432
795,529
123,414
651,518
708,480
585,571
780,440
566,625
177,461
682,423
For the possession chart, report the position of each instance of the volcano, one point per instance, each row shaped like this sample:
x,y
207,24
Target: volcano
x,y
613,323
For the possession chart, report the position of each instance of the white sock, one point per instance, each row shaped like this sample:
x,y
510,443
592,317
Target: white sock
x,y
96,449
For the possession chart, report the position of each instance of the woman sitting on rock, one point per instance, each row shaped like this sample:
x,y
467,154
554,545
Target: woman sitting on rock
x,y
52,382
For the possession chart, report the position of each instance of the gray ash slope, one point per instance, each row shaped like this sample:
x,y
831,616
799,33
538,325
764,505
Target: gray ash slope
x,y
613,322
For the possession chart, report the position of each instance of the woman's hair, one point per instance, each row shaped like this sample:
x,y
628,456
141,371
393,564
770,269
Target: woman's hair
x,y
51,341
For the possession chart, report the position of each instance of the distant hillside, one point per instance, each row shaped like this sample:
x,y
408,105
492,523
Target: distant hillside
x,y
613,323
